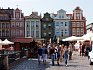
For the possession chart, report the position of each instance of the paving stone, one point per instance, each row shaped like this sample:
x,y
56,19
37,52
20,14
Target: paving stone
x,y
77,63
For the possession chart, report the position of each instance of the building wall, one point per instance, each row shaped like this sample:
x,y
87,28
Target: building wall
x,y
47,27
5,17
61,24
17,24
33,26
78,23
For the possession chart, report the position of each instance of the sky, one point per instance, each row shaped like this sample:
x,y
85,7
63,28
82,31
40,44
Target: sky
x,y
51,6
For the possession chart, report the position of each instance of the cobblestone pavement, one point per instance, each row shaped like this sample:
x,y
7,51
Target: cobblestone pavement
x,y
77,63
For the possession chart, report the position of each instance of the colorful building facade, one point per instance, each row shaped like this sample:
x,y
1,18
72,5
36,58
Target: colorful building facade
x,y
47,27
33,26
78,22
5,23
61,24
17,24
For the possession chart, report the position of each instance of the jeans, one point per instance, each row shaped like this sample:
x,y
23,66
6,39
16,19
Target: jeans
x,y
52,58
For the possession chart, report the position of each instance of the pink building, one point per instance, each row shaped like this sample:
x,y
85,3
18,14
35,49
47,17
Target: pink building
x,y
17,24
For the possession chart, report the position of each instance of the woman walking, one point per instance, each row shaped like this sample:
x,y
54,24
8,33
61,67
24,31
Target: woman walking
x,y
66,54
39,54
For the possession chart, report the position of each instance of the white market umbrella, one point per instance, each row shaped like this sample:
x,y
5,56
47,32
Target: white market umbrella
x,y
1,43
72,38
6,42
88,36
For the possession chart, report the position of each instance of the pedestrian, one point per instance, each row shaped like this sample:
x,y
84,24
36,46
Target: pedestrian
x,y
52,54
66,55
39,54
83,49
44,53
70,51
58,56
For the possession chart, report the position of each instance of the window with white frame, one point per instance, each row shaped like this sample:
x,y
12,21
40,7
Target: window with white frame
x,y
65,23
28,33
37,34
82,24
44,34
73,31
73,24
82,31
17,24
44,25
78,24
12,24
57,23
61,23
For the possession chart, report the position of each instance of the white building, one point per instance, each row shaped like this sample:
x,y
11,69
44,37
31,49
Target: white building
x,y
33,26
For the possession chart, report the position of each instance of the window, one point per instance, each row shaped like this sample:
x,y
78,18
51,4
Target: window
x,y
57,23
28,33
3,32
17,24
13,33
44,34
49,26
17,32
61,23
82,24
77,15
73,24
44,25
73,31
62,16
21,24
59,16
49,33
28,24
7,25
37,24
32,33
13,25
37,34
17,15
7,32
65,23
0,25
3,25
32,25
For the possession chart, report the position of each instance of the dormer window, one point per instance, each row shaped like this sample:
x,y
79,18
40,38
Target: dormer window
x,y
17,15
59,16
62,16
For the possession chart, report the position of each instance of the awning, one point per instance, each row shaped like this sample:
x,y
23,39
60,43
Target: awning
x,y
23,40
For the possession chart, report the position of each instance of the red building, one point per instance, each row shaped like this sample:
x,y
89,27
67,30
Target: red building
x,y
78,22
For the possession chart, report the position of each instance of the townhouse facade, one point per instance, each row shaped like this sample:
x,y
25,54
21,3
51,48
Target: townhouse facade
x,y
17,24
33,26
61,24
5,23
47,27
78,22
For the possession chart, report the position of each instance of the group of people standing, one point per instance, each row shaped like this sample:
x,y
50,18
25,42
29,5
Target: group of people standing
x,y
55,52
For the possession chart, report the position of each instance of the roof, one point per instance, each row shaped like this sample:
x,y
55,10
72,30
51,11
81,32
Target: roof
x,y
77,8
23,40
34,15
